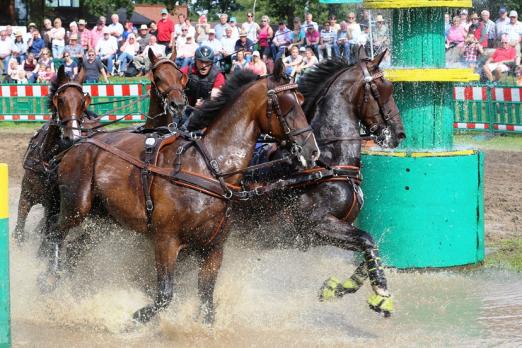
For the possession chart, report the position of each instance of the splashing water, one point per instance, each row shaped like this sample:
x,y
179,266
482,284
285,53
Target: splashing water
x,y
264,297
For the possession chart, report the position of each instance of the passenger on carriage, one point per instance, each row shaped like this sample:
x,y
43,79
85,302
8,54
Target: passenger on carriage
x,y
204,81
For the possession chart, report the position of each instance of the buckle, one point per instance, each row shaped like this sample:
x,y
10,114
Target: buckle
x,y
228,194
149,205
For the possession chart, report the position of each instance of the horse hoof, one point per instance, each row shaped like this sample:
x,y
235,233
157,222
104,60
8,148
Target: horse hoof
x,y
333,288
145,314
381,304
47,282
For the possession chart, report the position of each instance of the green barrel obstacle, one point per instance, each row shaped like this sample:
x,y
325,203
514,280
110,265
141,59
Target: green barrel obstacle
x,y
424,201
5,317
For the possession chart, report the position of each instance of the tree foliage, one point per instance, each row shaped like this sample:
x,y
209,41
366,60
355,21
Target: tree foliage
x,y
103,7
212,8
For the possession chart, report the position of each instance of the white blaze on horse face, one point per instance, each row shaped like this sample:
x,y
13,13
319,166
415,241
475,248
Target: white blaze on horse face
x,y
75,129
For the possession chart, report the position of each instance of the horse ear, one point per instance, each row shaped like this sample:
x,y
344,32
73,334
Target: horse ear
x,y
152,57
174,54
361,53
61,77
378,59
86,101
81,75
184,80
279,70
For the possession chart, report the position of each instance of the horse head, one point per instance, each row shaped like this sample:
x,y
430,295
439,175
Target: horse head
x,y
168,83
290,123
375,103
69,104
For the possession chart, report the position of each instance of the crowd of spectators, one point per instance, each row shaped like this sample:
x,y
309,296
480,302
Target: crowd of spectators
x,y
490,47
122,49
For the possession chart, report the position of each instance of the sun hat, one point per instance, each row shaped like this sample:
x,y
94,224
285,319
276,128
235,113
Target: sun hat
x,y
82,22
211,31
144,27
164,11
513,13
256,53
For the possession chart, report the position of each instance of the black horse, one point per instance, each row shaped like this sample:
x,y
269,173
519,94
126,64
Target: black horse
x,y
326,200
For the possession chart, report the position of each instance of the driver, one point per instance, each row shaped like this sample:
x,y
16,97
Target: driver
x,y
204,80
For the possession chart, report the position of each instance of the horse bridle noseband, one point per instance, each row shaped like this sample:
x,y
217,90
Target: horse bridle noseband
x,y
73,117
274,107
163,96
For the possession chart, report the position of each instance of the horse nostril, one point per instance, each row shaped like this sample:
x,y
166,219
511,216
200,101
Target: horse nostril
x,y
401,136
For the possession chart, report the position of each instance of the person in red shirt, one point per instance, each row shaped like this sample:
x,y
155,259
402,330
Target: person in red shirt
x,y
204,82
165,29
497,63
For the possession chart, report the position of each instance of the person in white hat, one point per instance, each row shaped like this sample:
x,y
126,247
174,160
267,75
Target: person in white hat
x,y
381,35
514,31
142,62
84,35
185,51
106,49
73,48
214,44
143,37
19,48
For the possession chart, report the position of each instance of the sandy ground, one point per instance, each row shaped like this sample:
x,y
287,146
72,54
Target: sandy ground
x,y
503,191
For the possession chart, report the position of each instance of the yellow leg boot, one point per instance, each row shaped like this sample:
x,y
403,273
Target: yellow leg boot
x,y
381,304
332,288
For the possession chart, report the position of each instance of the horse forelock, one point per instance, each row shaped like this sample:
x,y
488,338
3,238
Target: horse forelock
x,y
314,82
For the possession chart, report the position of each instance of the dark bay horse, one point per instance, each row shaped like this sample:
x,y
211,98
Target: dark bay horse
x,y
188,210
68,105
326,200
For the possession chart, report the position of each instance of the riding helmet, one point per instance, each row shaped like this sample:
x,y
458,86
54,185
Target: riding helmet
x,y
205,54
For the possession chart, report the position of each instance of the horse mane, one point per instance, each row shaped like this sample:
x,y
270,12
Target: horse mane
x,y
230,91
315,80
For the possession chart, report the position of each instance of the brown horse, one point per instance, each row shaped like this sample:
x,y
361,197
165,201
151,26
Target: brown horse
x,y
68,105
167,97
190,187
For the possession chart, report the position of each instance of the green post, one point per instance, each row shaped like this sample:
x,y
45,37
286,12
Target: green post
x,y
423,201
5,307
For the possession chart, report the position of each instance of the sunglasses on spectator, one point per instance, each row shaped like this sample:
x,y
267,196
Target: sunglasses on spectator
x,y
91,54
66,55
250,15
505,43
184,29
264,20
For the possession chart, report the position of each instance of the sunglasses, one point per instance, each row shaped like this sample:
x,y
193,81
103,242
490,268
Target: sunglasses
x,y
263,20
184,29
250,16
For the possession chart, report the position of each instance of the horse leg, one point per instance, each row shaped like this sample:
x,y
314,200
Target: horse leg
x,y
75,205
349,237
210,265
167,250
25,203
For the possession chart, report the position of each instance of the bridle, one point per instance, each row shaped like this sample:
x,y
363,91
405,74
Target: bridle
x,y
273,106
164,95
385,111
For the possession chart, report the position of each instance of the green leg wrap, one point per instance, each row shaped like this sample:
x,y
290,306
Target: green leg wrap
x,y
381,304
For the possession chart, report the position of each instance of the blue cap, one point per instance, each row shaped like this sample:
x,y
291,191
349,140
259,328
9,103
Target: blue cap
x,y
502,10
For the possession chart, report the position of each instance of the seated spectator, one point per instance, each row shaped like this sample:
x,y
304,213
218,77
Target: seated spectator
x,y
240,63
106,49
142,62
129,50
35,44
479,29
244,44
19,48
298,34
73,31
381,36
232,23
214,44
342,42
326,41
46,60
202,29
70,66
143,37
312,39
30,66
128,28
186,51
293,61
471,51
93,67
228,42
84,34
499,62
74,48
6,49
45,74
455,41
12,71
257,65
309,60
282,39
